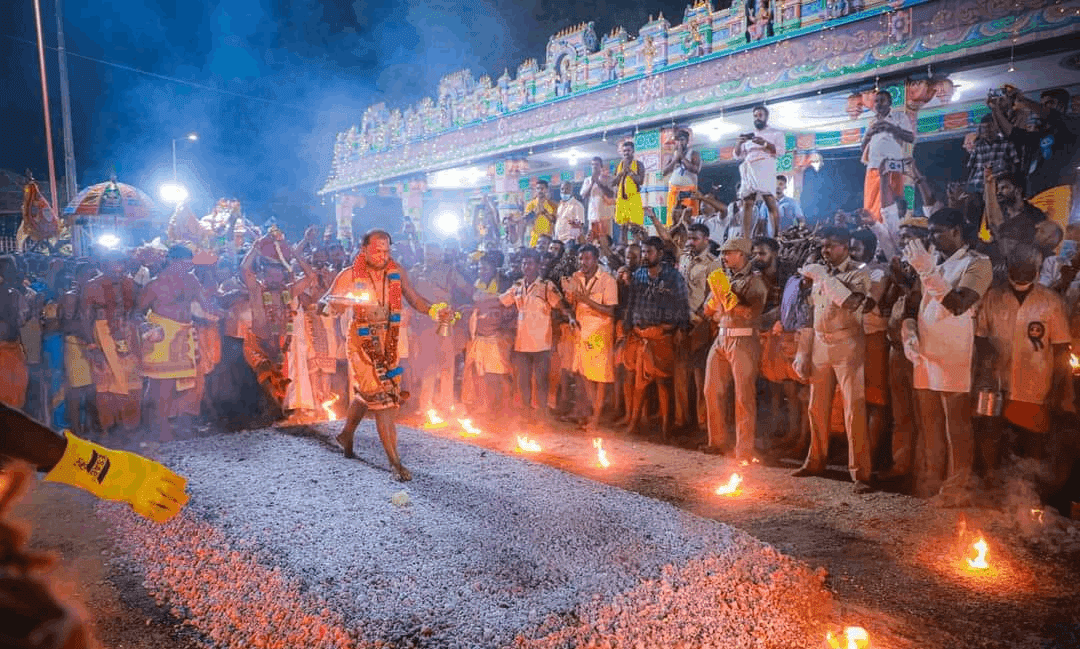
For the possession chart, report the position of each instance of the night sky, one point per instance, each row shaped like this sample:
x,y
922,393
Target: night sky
x,y
267,82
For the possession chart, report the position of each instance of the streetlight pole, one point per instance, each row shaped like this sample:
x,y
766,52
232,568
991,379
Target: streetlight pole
x,y
190,137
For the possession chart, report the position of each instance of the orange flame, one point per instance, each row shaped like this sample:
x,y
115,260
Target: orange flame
x,y
467,428
732,488
601,454
328,406
753,460
526,445
434,420
1037,516
978,562
854,637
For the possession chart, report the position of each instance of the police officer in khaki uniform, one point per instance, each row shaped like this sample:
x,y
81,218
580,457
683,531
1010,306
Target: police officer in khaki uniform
x,y
835,356
732,366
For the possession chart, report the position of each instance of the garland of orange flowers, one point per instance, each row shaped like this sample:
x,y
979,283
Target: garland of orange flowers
x,y
385,361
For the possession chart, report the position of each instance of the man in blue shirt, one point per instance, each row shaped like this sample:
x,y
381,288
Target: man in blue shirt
x,y
789,208
658,309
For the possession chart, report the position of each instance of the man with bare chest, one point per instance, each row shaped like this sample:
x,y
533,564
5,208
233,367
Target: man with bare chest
x,y
168,344
431,356
273,310
374,288
13,373
107,306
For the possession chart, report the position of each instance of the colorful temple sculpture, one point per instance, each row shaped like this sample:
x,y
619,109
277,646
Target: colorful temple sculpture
x,y
815,63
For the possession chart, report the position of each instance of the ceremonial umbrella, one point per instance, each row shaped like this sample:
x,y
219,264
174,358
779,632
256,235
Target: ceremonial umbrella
x,y
112,200
109,207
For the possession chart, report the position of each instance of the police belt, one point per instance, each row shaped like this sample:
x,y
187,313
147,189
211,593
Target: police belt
x,y
736,332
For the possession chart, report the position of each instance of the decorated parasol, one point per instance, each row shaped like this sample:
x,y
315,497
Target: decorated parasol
x,y
112,200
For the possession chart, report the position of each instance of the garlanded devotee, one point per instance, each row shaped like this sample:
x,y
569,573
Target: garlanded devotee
x,y
167,339
273,295
758,152
108,304
379,288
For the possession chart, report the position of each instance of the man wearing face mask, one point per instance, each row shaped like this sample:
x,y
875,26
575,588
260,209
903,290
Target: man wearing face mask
x,y
939,341
1022,345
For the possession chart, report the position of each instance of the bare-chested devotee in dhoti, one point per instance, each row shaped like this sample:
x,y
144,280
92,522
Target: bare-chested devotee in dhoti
x,y
168,342
374,287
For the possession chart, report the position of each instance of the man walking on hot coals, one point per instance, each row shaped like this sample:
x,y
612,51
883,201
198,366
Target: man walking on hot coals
x,y
378,287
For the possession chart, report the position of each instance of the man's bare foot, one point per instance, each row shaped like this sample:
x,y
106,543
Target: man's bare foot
x,y
346,442
401,474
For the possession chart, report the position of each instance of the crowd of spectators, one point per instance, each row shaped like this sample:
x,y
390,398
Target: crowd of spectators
x,y
937,341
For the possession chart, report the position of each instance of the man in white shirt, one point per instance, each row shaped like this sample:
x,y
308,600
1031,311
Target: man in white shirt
x,y
940,343
570,217
598,194
534,297
758,152
884,148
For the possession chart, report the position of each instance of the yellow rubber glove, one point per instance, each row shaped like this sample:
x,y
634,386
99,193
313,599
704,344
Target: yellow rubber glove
x,y
151,489
721,289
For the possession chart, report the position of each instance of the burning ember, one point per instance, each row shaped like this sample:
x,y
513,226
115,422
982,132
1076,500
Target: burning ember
x,y
732,488
601,454
526,445
467,428
434,421
745,463
1037,516
1074,363
853,637
328,406
978,562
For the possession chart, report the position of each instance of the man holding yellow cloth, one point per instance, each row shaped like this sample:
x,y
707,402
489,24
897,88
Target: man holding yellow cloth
x,y
629,177
168,345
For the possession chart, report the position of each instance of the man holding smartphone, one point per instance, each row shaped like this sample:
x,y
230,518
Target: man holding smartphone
x,y
759,151
884,150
